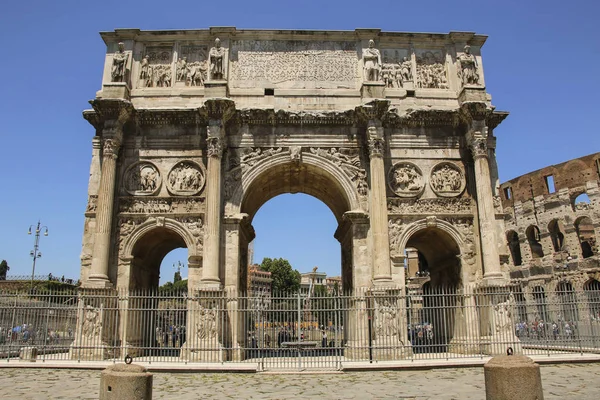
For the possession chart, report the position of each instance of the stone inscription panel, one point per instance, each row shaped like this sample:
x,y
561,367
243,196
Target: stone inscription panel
x,y
293,64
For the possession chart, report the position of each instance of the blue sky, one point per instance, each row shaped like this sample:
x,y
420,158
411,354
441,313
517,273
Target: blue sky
x,y
541,64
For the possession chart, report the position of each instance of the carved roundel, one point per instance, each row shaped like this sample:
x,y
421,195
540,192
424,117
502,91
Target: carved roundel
x,y
142,179
447,180
186,178
406,179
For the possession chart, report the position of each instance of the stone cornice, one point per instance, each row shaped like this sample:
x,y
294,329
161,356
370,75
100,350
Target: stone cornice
x,y
495,118
93,118
113,109
218,109
373,110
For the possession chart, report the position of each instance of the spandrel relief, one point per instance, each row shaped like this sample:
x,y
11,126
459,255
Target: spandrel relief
x,y
192,66
447,180
293,64
431,70
397,68
142,179
155,67
406,179
185,179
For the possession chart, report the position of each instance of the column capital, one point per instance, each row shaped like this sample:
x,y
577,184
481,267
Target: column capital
x,y
110,148
479,147
373,110
218,109
214,147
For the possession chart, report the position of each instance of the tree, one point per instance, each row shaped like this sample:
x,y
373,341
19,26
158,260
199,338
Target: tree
x,y
285,278
3,270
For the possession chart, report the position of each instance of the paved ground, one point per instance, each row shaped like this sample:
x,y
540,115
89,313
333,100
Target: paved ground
x,y
566,381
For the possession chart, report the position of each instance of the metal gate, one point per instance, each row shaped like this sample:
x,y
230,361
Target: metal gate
x,y
295,332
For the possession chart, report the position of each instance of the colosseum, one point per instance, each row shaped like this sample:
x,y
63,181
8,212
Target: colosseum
x,y
552,230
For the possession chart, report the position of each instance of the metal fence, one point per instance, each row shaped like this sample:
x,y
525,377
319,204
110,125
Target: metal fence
x,y
297,331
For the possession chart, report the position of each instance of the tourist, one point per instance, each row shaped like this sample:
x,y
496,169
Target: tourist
x,y
324,339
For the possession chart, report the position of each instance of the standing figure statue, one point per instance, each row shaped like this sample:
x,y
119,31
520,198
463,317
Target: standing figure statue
x,y
216,56
372,63
406,70
145,71
467,67
117,71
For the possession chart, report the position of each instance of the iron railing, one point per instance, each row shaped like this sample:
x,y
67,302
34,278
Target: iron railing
x,y
297,331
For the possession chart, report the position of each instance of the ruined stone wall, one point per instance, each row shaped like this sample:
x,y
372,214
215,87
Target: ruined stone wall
x,y
552,219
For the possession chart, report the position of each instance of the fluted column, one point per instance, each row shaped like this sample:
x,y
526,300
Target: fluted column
x,y
477,140
212,227
104,211
382,273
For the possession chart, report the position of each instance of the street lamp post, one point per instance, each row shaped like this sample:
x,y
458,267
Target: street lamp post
x,y
35,253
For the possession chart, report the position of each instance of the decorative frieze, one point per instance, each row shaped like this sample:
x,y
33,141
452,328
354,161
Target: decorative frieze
x,y
462,206
253,155
406,179
161,205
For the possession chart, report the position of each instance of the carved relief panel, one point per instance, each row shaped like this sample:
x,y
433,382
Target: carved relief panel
x,y
186,178
431,69
447,180
293,64
397,68
156,67
192,65
406,179
142,179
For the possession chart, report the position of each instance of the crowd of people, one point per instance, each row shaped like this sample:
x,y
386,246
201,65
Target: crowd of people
x,y
540,329
170,336
27,334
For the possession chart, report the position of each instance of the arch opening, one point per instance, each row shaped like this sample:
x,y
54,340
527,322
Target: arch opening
x,y
439,261
534,238
568,302
514,245
157,318
556,229
592,292
586,236
308,178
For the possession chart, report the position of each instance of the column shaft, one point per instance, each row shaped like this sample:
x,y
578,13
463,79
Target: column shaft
x,y
104,212
485,208
212,237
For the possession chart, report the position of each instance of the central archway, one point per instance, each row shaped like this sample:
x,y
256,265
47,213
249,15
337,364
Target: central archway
x,y
313,175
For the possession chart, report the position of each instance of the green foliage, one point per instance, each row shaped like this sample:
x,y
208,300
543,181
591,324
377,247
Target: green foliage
x,y
179,286
3,270
285,278
177,277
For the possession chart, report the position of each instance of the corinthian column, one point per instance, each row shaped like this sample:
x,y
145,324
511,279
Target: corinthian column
x,y
99,272
382,274
212,227
477,140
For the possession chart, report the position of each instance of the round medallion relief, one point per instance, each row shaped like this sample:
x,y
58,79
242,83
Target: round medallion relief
x,y
186,178
447,180
142,179
406,179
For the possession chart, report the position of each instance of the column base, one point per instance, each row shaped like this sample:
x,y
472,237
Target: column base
x,y
495,279
210,285
204,350
387,352
97,282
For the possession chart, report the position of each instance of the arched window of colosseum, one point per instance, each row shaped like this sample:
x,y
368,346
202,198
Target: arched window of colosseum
x,y
592,292
533,237
585,233
581,202
539,296
567,301
514,246
555,227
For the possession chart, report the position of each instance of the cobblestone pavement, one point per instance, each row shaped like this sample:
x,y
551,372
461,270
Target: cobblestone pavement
x,y
566,381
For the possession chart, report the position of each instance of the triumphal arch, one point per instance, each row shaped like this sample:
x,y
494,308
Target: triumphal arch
x,y
197,129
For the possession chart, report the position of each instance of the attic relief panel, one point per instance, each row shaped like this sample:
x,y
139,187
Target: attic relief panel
x,y
431,69
155,67
293,63
192,66
397,68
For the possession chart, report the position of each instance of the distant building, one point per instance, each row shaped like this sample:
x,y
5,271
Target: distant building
x,y
320,279
259,281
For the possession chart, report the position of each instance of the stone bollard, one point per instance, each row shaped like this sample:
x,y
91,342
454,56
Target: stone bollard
x,y
28,354
126,382
512,377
